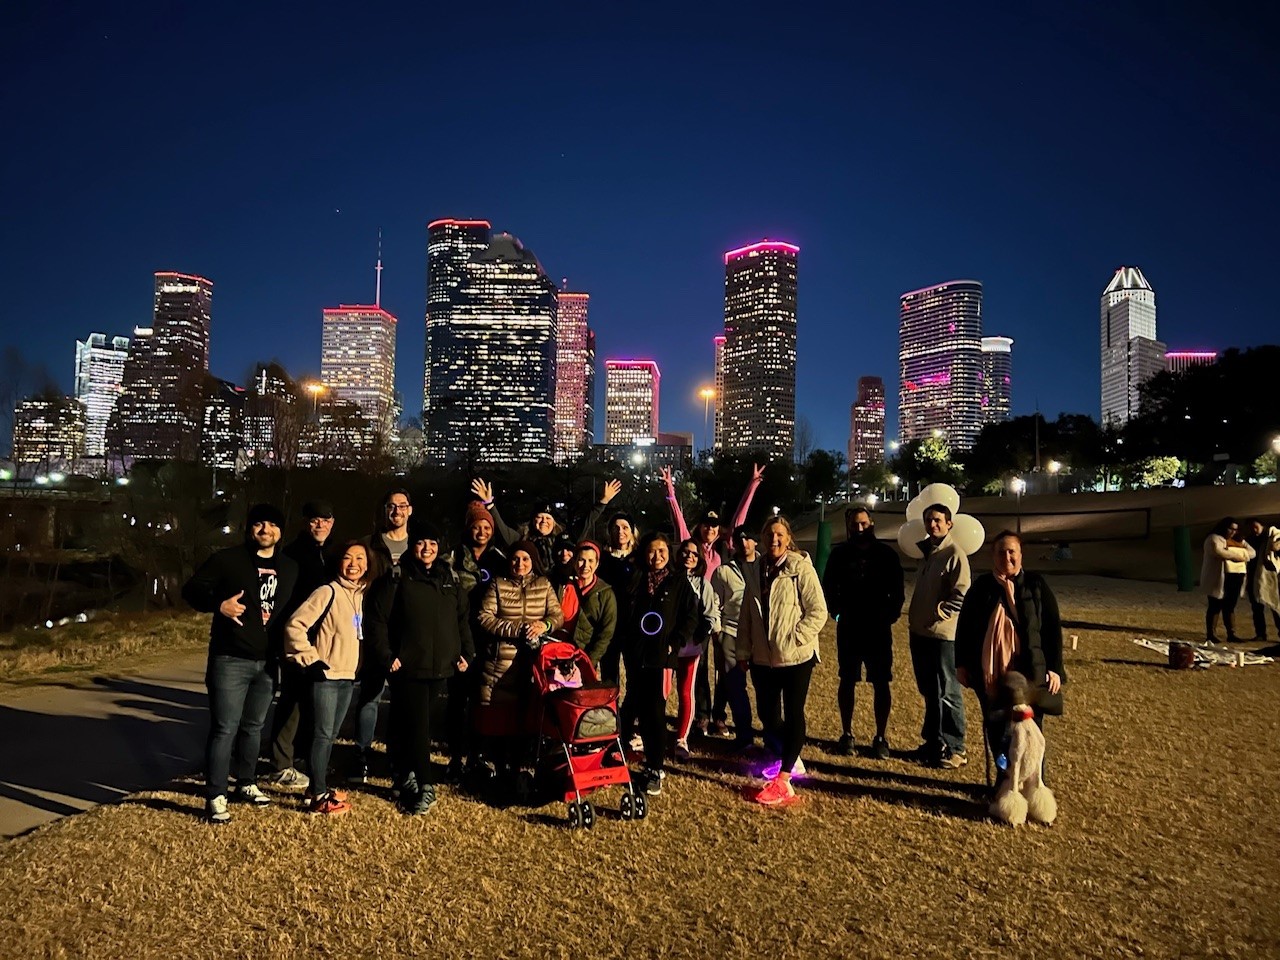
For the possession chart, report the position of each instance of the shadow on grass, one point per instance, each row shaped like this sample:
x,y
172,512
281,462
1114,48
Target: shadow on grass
x,y
1120,662
963,808
167,806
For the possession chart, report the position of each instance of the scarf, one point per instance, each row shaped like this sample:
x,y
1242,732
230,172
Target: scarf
x,y
1000,645
655,579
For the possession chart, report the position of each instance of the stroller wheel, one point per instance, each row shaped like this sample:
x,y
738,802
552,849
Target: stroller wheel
x,y
575,816
588,814
641,805
626,808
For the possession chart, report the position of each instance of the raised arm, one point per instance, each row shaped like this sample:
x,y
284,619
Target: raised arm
x,y
611,490
744,505
508,535
677,517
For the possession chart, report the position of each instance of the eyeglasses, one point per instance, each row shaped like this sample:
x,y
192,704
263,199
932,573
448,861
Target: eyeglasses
x,y
398,507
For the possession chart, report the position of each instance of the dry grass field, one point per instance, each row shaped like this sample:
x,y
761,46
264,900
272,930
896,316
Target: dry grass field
x,y
1168,844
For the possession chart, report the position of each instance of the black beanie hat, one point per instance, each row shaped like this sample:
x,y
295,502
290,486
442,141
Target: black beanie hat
x,y
264,513
317,509
420,530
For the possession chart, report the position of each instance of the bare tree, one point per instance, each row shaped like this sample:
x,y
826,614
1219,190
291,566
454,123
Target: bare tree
x,y
805,440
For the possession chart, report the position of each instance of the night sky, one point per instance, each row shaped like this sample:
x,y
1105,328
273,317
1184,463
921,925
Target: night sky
x,y
1033,147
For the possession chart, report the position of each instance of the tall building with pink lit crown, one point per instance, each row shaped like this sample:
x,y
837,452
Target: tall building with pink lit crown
x,y
757,403
940,363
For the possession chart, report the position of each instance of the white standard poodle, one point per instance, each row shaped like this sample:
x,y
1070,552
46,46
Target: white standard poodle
x,y
1022,793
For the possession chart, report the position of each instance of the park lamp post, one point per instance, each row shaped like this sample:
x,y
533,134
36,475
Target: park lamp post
x,y
894,480
1055,467
315,389
1019,487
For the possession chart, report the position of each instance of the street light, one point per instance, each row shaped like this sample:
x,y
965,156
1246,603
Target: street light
x,y
315,389
1019,487
894,480
707,394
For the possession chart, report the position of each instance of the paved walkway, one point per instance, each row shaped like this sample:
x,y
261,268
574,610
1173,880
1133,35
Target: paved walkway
x,y
66,747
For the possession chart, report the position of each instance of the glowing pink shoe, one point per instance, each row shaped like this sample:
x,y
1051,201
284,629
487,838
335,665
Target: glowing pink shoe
x,y
776,792
775,768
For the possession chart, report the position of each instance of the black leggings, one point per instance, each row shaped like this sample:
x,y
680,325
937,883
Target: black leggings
x,y
649,711
780,696
1232,583
413,702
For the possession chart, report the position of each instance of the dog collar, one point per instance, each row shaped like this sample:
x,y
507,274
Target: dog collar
x,y
1023,713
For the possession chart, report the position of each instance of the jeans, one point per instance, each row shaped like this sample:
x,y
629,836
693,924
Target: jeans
x,y
368,697
239,697
934,664
329,702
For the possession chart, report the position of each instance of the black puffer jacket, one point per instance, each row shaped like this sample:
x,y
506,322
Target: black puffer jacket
x,y
659,624
865,584
421,619
1039,632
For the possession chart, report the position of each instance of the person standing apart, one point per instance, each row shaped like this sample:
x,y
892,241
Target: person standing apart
x,y
323,639
1261,582
778,640
1222,576
864,590
244,588
941,583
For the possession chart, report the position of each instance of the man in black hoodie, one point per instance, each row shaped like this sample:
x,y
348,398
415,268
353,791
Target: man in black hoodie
x,y
864,590
246,589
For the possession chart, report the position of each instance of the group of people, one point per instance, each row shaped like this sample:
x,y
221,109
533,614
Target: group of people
x,y
963,632
450,635
1241,562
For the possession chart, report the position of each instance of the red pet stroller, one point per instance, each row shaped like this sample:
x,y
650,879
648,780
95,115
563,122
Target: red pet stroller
x,y
578,736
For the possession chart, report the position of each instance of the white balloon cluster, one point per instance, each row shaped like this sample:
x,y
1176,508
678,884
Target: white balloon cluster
x,y
967,532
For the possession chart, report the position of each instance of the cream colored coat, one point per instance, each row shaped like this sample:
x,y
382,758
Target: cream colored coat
x,y
1217,558
337,641
797,614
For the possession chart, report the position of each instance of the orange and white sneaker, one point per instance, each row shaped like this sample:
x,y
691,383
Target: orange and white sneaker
x,y
776,792
329,805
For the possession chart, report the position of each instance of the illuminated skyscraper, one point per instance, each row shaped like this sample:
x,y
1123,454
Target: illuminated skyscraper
x,y
222,427
161,404
48,431
866,423
1179,361
491,350
589,413
1131,354
718,345
450,244
759,392
630,401
572,401
99,375
940,363
997,378
358,360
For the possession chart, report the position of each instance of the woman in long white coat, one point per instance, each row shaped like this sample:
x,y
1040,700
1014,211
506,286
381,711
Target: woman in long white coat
x,y
1222,575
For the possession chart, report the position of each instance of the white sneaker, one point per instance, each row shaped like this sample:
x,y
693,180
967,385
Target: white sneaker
x,y
637,742
250,793
216,810
773,769
290,778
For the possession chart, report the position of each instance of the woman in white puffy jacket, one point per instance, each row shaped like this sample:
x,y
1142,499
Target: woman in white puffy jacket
x,y
1222,576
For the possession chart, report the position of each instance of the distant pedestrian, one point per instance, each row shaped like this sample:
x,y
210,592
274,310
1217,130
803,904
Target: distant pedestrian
x,y
1222,576
1261,584
324,639
864,590
942,580
778,638
291,721
244,587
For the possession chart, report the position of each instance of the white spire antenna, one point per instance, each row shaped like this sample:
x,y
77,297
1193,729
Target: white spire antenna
x,y
377,291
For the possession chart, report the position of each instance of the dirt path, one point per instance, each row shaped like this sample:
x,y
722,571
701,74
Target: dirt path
x,y
66,746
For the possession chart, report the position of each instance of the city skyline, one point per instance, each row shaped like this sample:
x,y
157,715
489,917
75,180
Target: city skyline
x,y
639,212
